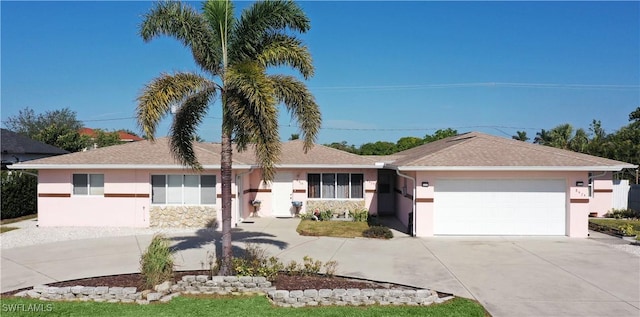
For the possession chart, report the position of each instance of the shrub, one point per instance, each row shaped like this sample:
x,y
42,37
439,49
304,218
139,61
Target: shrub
x,y
256,262
378,232
156,263
310,266
19,195
627,229
330,268
359,215
326,215
622,213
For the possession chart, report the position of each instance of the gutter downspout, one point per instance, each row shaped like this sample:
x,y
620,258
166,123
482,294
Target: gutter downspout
x,y
238,193
413,200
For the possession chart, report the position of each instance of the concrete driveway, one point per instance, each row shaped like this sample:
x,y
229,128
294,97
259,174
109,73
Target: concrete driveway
x,y
510,276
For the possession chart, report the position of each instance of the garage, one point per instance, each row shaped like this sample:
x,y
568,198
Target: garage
x,y
500,207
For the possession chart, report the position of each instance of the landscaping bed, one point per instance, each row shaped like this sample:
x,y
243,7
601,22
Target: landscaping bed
x,y
613,226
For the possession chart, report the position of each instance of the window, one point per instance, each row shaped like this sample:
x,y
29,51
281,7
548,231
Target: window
x,y
183,189
335,185
88,184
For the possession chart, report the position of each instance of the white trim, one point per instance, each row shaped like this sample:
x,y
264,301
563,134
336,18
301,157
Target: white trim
x,y
515,168
115,166
372,166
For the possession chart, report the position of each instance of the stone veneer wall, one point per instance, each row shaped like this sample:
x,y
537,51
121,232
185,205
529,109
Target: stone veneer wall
x,y
337,206
232,285
182,216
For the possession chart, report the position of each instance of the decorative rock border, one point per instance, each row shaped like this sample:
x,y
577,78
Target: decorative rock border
x,y
226,285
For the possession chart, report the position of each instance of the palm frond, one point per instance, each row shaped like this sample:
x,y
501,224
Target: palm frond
x,y
187,25
262,18
301,105
186,121
281,49
156,99
257,126
219,14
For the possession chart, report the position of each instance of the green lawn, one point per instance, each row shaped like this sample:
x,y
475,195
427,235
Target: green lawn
x,y
341,229
615,223
12,220
4,229
228,306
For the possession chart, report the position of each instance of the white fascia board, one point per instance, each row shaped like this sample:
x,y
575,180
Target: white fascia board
x,y
613,168
326,166
113,166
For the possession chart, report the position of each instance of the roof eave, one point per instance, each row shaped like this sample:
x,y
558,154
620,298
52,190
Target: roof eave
x,y
611,168
327,166
115,166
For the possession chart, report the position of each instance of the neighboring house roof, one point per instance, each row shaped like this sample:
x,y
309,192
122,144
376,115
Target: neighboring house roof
x,y
124,136
147,154
15,143
479,151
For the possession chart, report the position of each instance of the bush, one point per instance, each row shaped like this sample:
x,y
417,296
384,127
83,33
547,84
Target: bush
x,y
326,215
330,268
360,215
627,230
19,194
378,232
622,214
255,262
156,264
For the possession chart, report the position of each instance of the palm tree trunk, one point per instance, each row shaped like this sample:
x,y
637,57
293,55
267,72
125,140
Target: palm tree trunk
x,y
225,166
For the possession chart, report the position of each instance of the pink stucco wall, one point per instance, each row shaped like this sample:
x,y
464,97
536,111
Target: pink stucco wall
x,y
262,191
99,211
577,211
602,194
96,211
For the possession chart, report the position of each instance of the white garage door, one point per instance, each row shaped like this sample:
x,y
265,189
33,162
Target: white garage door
x,y
499,207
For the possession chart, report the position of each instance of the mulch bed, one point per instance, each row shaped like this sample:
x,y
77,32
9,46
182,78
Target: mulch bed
x,y
282,282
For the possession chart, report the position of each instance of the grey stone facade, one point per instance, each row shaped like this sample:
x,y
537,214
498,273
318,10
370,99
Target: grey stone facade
x,y
337,206
164,216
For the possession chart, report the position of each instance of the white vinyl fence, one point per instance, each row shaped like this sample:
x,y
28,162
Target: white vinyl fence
x,y
620,193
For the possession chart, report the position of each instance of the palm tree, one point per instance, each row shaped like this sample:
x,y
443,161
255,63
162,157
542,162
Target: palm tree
x,y
234,54
521,136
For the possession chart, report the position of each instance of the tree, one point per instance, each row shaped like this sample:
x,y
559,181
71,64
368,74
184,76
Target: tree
x,y
234,54
408,142
106,138
294,136
378,148
59,128
521,136
440,134
543,137
343,147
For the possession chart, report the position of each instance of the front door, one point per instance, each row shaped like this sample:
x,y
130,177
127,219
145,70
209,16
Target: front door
x,y
385,192
281,193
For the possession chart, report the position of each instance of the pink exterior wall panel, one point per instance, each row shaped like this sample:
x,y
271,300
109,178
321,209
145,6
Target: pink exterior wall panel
x,y
125,203
602,193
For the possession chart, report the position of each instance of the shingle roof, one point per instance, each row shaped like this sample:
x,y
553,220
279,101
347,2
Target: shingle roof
x,y
471,150
15,143
146,153
476,149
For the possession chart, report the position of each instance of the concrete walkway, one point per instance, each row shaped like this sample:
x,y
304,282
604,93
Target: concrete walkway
x,y
510,276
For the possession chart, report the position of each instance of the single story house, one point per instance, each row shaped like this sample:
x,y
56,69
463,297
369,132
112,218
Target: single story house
x,y
15,148
470,184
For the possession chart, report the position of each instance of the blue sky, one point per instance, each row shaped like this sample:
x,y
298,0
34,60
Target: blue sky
x,y
383,69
